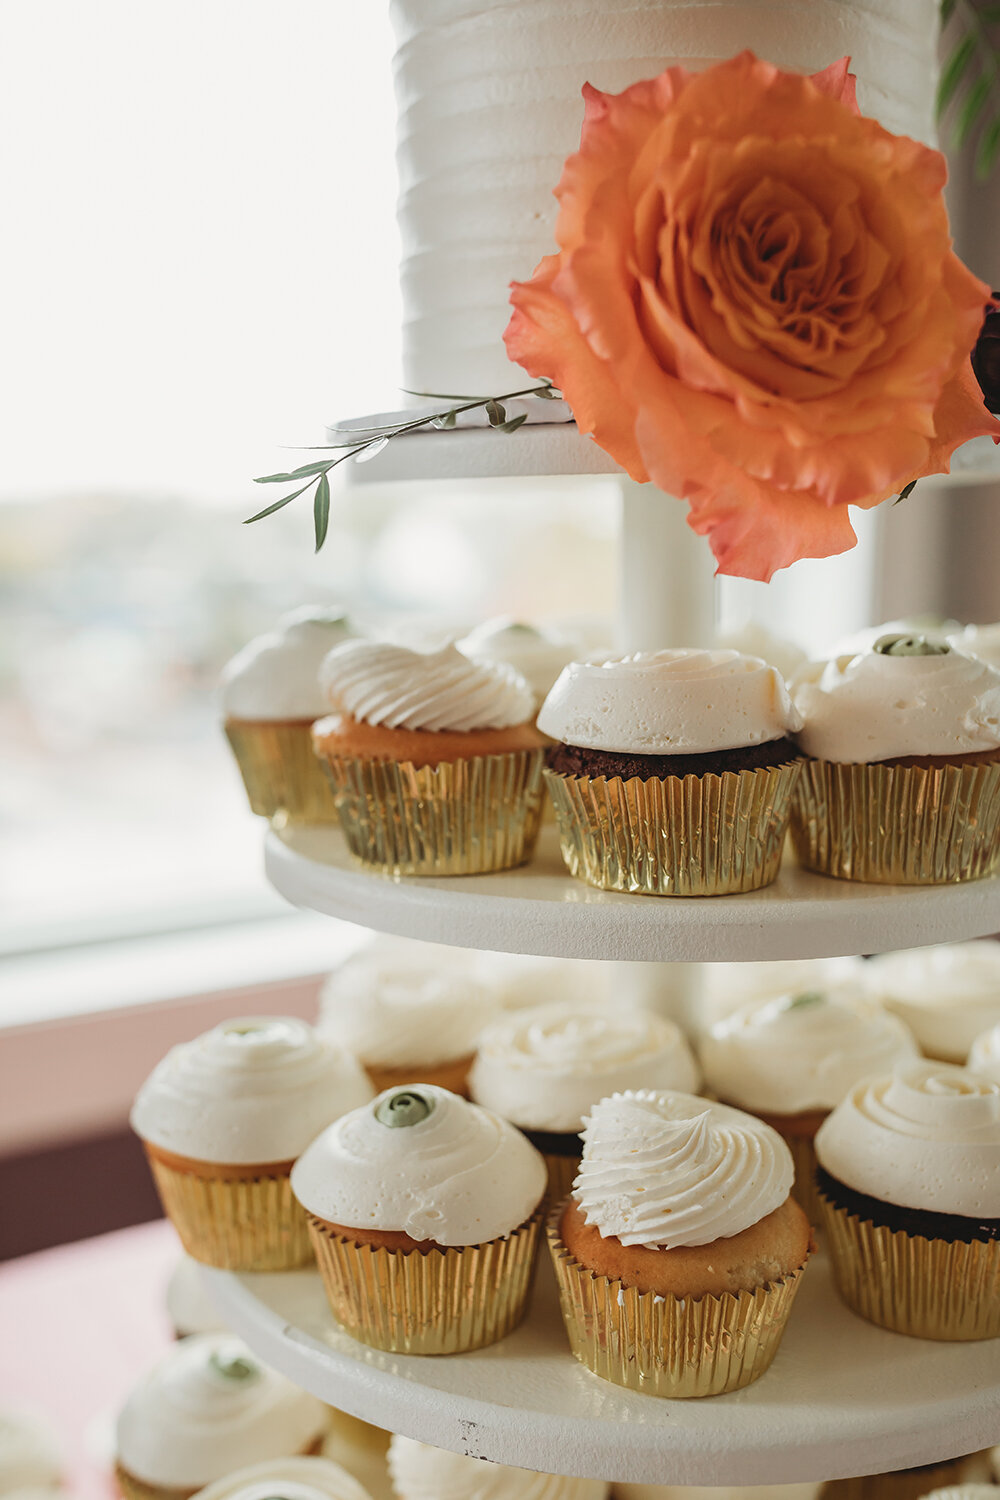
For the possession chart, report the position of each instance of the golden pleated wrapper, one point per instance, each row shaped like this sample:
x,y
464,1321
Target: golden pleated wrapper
x,y
446,1301
234,1223
931,1289
462,817
668,1346
898,825
281,775
137,1489
903,1484
676,836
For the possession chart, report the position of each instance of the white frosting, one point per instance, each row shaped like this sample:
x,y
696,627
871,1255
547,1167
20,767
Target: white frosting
x,y
980,641
393,1009
461,1176
947,994
806,1491
420,1472
544,1069
724,987
276,675
753,639
189,1307
538,654
665,1170
931,627
873,707
257,1089
801,1051
984,1054
209,1407
289,1478
382,683
926,1136
965,1492
489,108
523,981
669,703
29,1453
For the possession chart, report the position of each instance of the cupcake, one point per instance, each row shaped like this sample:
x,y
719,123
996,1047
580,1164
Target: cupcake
x,y
754,639
679,1252
964,1492
424,1214
807,1491
673,773
725,987
791,1060
980,641
524,981
909,1185
434,760
206,1408
947,994
912,1484
223,1118
289,1479
270,696
362,1450
902,784
189,1307
30,1459
420,1472
984,1054
408,1018
543,1069
537,653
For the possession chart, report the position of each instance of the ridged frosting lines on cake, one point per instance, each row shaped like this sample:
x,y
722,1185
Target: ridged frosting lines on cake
x,y
389,685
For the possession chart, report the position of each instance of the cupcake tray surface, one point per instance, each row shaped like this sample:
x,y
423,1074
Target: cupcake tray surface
x,y
540,909
842,1398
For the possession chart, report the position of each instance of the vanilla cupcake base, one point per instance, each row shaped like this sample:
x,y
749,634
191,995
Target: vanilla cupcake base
x,y
282,778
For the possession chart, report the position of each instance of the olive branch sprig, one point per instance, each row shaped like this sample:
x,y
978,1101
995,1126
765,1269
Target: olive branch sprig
x,y
972,74
369,442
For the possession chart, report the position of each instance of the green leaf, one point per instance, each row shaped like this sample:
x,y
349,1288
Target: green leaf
x,y
514,423
953,72
371,450
548,393
947,11
972,107
495,413
905,491
293,474
442,396
321,510
449,419
285,500
987,149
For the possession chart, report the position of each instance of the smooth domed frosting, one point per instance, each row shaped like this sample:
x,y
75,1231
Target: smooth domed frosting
x,y
189,1307
393,1008
753,639
420,1472
208,1407
277,675
287,1479
926,1136
980,641
947,994
724,987
668,703
538,654
449,1171
543,1069
801,1051
668,1169
984,1054
875,706
382,683
29,1453
257,1089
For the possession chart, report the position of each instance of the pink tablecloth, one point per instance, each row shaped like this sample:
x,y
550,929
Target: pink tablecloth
x,y
78,1325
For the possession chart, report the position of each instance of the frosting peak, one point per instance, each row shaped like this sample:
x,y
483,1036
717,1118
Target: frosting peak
x,y
381,683
276,675
538,654
669,703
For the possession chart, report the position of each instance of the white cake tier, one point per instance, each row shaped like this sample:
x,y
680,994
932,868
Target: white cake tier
x,y
490,107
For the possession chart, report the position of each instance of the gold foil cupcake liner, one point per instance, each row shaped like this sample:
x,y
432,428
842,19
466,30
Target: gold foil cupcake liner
x,y
668,1346
446,1301
931,1289
137,1489
677,835
235,1223
281,775
898,825
462,817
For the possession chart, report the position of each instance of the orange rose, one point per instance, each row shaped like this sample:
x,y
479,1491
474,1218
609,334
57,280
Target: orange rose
x,y
756,305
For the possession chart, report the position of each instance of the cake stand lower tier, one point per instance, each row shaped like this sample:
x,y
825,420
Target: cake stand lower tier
x,y
842,1398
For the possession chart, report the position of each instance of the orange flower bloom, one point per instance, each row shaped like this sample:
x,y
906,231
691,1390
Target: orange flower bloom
x,y
756,305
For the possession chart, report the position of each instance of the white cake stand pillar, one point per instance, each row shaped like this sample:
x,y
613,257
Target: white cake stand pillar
x,y
667,582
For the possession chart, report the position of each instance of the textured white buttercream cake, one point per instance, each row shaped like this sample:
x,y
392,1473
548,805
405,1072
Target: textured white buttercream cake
x,y
490,107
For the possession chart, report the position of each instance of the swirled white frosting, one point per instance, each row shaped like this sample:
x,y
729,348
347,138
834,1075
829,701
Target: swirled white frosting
x,y
947,994
926,1136
189,1307
393,1008
980,641
869,707
964,1492
461,1176
276,675
420,1472
543,1069
289,1478
801,1051
805,1491
538,654
668,703
381,683
665,1170
257,1089
724,987
754,639
29,1453
984,1054
208,1407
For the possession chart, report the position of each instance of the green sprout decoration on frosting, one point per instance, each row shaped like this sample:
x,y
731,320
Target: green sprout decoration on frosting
x,y
234,1367
808,997
405,1107
910,645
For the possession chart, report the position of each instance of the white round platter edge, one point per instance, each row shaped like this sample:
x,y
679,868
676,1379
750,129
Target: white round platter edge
x,y
540,909
842,1398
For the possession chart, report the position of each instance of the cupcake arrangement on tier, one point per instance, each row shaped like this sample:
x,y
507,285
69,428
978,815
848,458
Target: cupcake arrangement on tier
x,y
675,772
